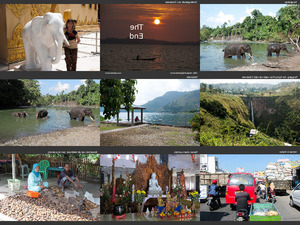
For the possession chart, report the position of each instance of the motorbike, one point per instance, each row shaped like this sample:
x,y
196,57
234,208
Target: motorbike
x,y
272,198
242,215
212,203
263,194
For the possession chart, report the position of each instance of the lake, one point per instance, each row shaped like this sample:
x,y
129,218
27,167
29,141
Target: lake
x,y
119,57
176,119
212,56
14,127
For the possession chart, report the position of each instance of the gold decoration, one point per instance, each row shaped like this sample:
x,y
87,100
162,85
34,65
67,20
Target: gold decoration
x,y
18,9
41,9
15,46
85,21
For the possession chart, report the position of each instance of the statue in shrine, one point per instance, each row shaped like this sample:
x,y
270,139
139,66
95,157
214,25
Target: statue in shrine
x,y
169,202
160,201
154,188
43,38
182,183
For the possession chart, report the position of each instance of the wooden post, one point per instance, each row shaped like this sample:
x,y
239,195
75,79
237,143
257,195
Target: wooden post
x,y
132,117
141,115
13,164
118,119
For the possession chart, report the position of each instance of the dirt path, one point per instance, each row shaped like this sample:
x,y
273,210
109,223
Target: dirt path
x,y
76,136
151,135
287,64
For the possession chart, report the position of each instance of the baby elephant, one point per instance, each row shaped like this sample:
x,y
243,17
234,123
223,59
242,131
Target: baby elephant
x,y
20,114
43,113
80,113
276,48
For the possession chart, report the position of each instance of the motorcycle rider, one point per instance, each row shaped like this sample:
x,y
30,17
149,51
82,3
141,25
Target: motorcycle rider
x,y
214,191
271,190
242,198
261,188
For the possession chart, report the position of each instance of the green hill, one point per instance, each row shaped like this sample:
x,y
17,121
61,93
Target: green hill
x,y
184,103
175,101
224,121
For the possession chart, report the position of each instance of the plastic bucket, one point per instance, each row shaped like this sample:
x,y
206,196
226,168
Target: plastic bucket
x,y
14,184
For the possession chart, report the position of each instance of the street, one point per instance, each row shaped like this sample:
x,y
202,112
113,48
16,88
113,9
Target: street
x,y
225,213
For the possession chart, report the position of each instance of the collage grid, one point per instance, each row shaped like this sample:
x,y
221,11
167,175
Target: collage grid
x,y
150,123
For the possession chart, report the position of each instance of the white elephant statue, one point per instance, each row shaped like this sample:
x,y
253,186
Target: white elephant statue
x,y
43,37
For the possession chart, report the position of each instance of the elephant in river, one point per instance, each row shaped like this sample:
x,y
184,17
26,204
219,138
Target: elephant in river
x,y
276,48
20,114
43,38
238,49
80,113
43,113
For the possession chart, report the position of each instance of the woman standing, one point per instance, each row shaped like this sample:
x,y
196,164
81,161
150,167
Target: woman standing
x,y
35,182
71,50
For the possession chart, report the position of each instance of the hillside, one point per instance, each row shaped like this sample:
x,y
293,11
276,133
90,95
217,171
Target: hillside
x,y
224,121
175,101
184,103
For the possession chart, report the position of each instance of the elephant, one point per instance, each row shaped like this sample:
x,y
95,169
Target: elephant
x,y
43,113
20,114
80,113
43,37
276,48
237,49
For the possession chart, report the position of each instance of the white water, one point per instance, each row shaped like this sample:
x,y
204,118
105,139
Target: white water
x,y
252,114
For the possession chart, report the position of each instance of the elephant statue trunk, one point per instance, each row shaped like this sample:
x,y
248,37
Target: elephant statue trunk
x,y
58,47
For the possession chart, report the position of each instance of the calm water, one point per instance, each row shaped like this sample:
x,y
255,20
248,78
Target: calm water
x,y
177,119
212,56
13,127
118,57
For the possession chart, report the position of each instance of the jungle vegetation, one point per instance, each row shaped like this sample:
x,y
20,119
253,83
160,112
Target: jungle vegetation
x,y
14,93
285,27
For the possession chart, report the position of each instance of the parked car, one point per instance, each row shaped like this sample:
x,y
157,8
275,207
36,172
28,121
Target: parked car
x,y
295,196
232,187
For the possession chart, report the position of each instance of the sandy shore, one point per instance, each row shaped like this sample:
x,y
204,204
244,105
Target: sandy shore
x,y
76,136
152,135
287,64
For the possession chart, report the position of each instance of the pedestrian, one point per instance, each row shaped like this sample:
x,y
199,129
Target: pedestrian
x,y
71,50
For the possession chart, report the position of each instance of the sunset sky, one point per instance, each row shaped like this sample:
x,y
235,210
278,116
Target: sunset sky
x,y
178,22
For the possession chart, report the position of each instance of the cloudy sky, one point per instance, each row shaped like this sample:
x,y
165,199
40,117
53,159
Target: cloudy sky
x,y
249,81
57,86
150,89
214,15
178,22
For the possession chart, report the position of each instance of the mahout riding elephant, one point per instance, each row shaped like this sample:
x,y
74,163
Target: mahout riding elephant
x,y
43,37
238,49
80,113
276,48
20,114
43,113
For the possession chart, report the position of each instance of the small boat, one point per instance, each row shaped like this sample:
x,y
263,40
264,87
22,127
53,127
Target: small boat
x,y
144,59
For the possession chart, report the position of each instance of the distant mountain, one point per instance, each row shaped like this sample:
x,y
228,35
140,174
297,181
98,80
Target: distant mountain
x,y
158,103
174,101
144,41
190,101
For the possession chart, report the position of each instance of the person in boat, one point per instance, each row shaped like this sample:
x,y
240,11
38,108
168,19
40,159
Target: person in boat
x,y
136,119
137,57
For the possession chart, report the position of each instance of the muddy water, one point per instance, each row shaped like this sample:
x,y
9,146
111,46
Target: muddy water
x,y
212,56
13,127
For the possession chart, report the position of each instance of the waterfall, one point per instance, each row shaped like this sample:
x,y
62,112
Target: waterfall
x,y
252,114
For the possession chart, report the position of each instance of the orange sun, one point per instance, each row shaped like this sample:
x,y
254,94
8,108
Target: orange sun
x,y
157,21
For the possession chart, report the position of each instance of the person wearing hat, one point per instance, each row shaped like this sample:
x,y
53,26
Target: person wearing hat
x,y
214,191
71,50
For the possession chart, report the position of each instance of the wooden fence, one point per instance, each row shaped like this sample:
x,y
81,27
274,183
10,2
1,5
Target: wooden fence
x,y
83,168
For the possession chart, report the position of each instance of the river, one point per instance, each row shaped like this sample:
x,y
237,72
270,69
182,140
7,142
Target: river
x,y
212,56
176,119
14,127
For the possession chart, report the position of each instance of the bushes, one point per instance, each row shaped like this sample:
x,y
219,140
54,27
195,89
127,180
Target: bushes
x,y
214,107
